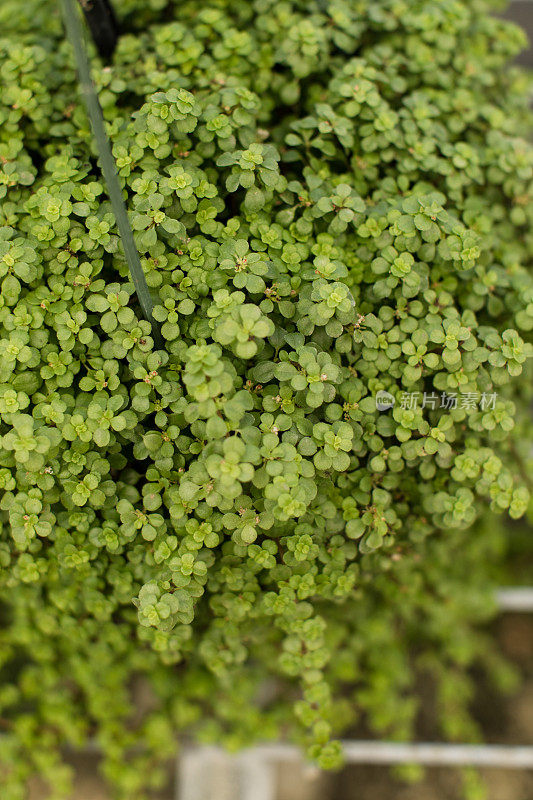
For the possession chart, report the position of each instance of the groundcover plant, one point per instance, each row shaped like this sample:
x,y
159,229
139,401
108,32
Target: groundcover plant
x,y
269,525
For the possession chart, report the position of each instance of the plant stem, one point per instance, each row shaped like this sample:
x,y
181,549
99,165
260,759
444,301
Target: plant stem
x,y
107,162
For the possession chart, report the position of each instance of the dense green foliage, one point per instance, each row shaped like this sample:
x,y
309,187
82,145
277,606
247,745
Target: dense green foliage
x,y
331,199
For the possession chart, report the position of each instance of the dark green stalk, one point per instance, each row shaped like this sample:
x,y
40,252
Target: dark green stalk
x,y
107,162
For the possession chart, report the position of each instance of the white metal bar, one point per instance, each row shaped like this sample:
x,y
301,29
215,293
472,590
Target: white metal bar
x,y
428,753
437,754
209,774
519,598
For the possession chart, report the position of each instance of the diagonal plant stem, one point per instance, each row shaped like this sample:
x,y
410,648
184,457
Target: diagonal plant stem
x,y
107,162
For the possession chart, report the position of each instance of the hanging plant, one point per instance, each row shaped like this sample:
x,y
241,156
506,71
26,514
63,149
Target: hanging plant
x,y
295,488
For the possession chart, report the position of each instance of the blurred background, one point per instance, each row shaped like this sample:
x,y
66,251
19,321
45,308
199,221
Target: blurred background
x,y
503,718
